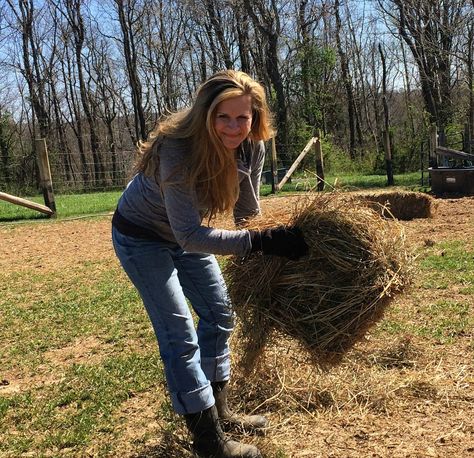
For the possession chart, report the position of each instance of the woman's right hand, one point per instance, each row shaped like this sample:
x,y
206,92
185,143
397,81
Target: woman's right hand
x,y
282,241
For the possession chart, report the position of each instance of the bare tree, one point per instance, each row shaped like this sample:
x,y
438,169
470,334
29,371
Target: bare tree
x,y
429,29
162,49
74,116
408,89
386,116
130,17
31,70
470,85
71,9
360,43
105,101
266,19
465,55
59,132
305,18
217,29
347,81
242,25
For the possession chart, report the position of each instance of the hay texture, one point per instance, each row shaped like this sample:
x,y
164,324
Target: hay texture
x,y
327,300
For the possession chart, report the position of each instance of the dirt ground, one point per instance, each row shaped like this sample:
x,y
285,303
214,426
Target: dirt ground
x,y
49,246
428,413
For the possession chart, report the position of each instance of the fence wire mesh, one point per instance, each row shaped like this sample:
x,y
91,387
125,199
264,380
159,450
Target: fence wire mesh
x,y
74,172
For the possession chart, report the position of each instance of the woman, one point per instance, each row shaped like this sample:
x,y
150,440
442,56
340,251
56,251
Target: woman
x,y
198,162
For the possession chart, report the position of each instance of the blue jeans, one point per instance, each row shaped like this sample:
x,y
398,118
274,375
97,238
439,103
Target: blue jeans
x,y
165,275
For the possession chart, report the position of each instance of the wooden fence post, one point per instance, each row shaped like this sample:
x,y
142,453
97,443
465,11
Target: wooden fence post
x,y
388,157
433,160
274,167
467,141
25,203
295,164
318,152
46,182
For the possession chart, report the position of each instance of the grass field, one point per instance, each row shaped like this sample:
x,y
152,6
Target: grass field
x,y
80,374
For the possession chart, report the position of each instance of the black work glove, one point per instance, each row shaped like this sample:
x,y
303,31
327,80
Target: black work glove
x,y
280,241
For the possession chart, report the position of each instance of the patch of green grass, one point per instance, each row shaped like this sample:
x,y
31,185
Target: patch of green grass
x,y
374,181
443,321
392,326
79,204
65,403
41,312
446,320
67,205
449,263
445,266
67,414
347,182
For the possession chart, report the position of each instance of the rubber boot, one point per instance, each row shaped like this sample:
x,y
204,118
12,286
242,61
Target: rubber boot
x,y
229,418
209,441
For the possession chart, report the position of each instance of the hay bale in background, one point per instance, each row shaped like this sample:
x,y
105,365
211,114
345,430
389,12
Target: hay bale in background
x,y
329,299
402,205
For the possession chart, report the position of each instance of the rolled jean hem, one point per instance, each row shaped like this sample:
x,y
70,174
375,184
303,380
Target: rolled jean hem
x,y
194,401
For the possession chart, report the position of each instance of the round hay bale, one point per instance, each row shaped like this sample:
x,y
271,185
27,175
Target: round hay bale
x,y
401,205
328,299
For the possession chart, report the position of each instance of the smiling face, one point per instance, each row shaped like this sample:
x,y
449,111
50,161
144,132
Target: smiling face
x,y
233,120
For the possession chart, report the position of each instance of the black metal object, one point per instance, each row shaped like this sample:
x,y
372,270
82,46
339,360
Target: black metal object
x,y
447,180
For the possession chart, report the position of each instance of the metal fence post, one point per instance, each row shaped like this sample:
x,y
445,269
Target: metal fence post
x,y
318,151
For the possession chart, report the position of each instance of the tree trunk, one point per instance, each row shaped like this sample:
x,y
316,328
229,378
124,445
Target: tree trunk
x,y
30,71
217,26
131,60
347,81
267,23
242,26
76,22
75,115
386,133
407,92
64,150
470,85
429,29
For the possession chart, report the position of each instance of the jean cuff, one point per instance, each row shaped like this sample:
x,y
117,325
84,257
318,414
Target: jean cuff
x,y
193,401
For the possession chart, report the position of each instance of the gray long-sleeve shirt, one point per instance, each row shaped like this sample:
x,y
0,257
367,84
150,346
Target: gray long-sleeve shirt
x,y
169,207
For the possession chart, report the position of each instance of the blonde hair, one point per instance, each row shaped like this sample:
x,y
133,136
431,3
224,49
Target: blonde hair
x,y
212,169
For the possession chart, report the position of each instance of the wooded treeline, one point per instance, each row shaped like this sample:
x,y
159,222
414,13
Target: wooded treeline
x,y
92,77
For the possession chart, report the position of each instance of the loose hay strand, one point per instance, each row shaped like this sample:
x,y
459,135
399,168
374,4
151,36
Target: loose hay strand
x,y
328,300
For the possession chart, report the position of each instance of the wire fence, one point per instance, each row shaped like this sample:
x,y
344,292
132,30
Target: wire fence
x,y
71,173
110,170
74,172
